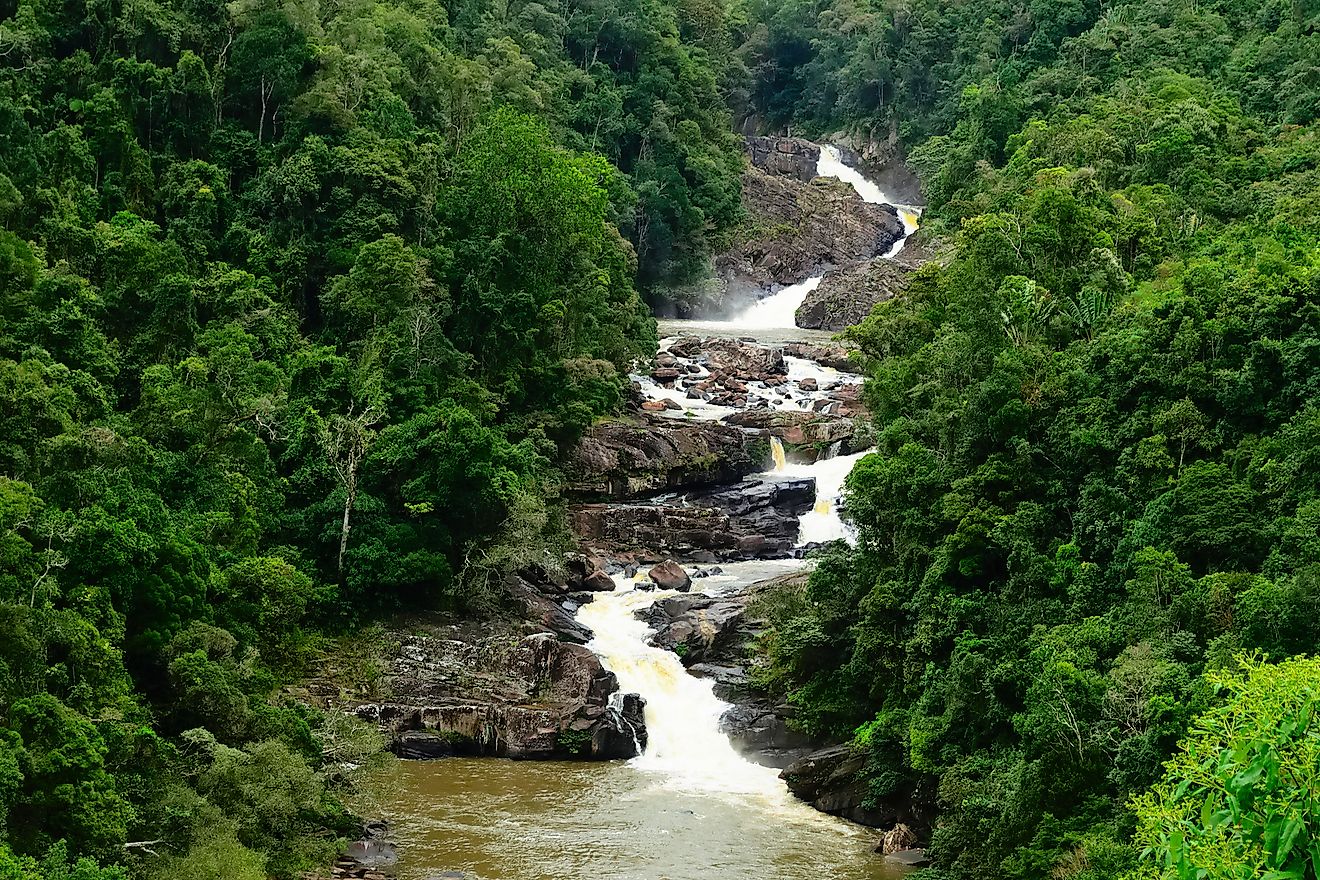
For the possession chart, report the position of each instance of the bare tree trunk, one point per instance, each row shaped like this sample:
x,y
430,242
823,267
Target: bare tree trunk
x,y
266,91
349,498
347,439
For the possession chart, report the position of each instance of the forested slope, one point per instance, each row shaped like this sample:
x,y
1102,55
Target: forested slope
x,y
1097,477
298,303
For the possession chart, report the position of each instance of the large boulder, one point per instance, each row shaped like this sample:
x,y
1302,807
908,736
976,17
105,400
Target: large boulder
x,y
796,427
752,519
669,575
846,296
695,627
626,459
761,731
795,229
832,780
585,574
834,356
543,612
735,358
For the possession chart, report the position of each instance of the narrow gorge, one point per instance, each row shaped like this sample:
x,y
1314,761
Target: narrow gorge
x,y
707,498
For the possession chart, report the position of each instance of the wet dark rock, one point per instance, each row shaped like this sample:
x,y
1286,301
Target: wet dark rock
x,y
796,427
598,582
669,575
730,679
761,731
534,697
543,612
751,519
830,779
372,853
695,626
913,858
846,296
665,375
625,735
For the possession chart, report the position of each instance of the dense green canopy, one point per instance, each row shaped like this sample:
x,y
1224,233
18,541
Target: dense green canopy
x,y
298,304
1096,477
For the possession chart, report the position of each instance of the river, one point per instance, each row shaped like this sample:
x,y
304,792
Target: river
x,y
690,807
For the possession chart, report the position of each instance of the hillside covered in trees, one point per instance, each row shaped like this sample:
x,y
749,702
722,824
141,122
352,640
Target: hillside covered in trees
x,y
301,303
298,303
1096,485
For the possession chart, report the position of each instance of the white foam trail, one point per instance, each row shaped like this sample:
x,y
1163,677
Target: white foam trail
x,y
823,523
778,310
685,749
690,407
831,165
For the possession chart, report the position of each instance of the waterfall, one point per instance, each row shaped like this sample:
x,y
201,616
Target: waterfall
x,y
778,310
685,749
831,451
823,523
615,708
777,453
831,165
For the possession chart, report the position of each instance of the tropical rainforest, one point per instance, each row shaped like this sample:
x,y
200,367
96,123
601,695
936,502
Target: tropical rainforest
x,y
300,302
297,303
1094,510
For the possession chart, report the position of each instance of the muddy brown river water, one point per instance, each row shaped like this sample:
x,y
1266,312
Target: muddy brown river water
x,y
497,819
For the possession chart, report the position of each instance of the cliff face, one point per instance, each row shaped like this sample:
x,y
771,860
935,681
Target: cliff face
x,y
799,225
847,295
797,228
786,157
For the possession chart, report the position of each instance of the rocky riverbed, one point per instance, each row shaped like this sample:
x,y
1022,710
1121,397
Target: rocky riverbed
x,y
731,455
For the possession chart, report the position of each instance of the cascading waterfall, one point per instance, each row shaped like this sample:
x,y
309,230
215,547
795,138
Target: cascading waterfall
x,y
831,165
685,748
780,309
823,523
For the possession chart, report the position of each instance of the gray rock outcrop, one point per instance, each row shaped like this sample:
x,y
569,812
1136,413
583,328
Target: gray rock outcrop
x,y
796,229
535,698
629,458
752,519
784,156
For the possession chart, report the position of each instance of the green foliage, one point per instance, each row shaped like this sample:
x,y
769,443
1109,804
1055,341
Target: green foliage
x,y
575,742
298,307
1094,478
1241,798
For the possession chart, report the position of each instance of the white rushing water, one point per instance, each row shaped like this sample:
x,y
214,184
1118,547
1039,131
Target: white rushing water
x,y
831,165
778,311
685,751
823,522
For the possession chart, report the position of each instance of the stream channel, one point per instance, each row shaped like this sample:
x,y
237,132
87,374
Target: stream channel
x,y
690,807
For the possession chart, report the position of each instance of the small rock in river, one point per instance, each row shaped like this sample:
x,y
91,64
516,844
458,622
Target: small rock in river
x,y
669,575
